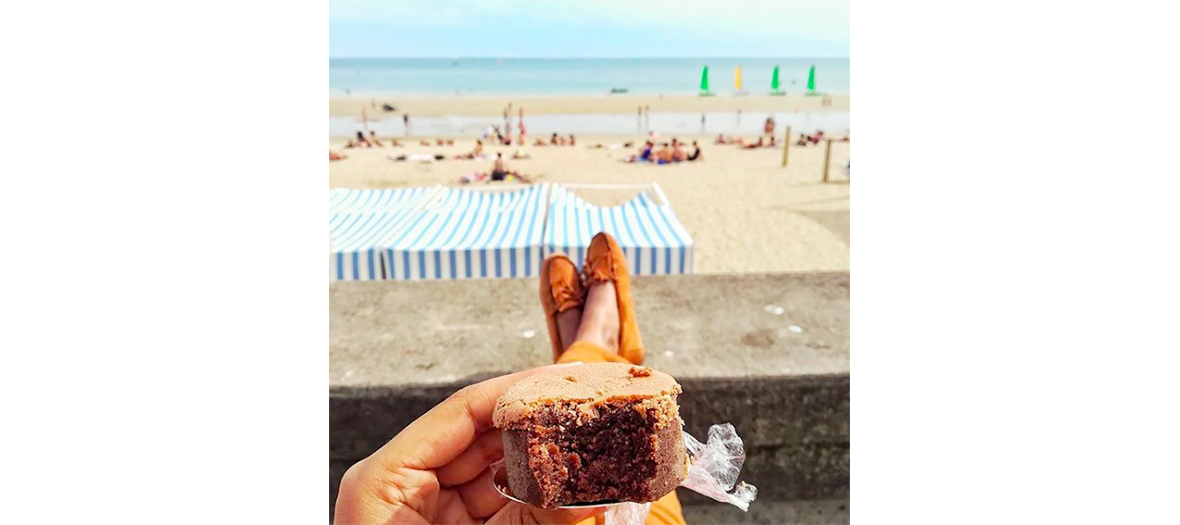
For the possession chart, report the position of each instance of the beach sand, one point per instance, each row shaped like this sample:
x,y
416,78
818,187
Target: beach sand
x,y
614,104
744,212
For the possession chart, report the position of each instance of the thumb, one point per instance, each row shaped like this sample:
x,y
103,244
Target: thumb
x,y
517,514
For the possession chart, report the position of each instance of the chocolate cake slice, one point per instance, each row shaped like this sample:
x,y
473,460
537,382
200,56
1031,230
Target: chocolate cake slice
x,y
590,433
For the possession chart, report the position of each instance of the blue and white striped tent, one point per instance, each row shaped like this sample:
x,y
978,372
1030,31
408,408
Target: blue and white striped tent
x,y
469,233
653,239
362,222
342,200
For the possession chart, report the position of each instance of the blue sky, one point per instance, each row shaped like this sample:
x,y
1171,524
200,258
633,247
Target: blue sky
x,y
591,28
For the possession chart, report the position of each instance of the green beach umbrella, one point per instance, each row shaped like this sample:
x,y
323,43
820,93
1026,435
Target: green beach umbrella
x,y
705,79
811,79
774,79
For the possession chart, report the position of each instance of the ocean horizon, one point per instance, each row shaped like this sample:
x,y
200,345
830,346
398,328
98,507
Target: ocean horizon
x,y
577,76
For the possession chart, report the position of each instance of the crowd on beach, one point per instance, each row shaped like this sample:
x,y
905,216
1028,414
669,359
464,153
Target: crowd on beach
x,y
668,153
372,141
768,139
653,151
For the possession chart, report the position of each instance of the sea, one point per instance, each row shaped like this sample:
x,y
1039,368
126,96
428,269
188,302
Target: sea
x,y
474,77
576,76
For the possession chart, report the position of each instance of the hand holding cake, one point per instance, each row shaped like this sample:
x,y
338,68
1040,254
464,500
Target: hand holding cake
x,y
436,469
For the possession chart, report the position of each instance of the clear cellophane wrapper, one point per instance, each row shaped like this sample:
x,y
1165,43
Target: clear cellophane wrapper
x,y
713,472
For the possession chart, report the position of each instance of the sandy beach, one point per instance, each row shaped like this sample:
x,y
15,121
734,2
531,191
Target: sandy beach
x,y
614,104
745,212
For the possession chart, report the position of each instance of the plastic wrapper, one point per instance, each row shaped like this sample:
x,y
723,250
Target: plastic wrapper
x,y
716,465
713,472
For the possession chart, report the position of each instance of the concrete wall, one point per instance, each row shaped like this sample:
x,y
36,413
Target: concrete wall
x,y
399,348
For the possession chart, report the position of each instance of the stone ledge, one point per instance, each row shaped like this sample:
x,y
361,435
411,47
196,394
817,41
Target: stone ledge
x,y
389,334
782,379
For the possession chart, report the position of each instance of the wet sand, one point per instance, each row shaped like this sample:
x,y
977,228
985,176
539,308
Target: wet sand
x,y
612,104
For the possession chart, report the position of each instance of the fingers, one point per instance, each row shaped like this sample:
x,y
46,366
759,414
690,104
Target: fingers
x,y
363,499
480,496
516,514
443,433
488,448
451,510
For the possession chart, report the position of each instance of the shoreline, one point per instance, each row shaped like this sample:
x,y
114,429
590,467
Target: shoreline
x,y
714,122
623,104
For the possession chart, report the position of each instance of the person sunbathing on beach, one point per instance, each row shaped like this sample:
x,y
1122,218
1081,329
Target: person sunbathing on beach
x,y
539,143
476,153
472,177
417,157
664,156
819,135
696,153
393,143
518,155
644,153
332,155
752,145
571,139
803,141
678,153
768,128
477,177
499,170
561,141
373,139
360,139
553,139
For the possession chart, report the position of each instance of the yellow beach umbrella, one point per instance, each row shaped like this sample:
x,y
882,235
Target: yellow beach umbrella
x,y
737,79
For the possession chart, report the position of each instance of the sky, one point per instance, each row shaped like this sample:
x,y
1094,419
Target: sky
x,y
587,28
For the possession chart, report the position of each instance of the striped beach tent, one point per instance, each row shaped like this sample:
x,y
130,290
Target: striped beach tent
x,y
362,222
465,233
342,200
653,239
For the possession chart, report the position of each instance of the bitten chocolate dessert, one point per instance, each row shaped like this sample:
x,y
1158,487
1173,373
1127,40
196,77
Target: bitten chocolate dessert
x,y
590,433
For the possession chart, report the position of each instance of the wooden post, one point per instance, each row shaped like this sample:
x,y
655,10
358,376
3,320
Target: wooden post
x,y
827,159
786,146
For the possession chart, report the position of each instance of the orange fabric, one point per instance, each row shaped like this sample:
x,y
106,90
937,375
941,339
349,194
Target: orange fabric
x,y
665,511
588,352
605,261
